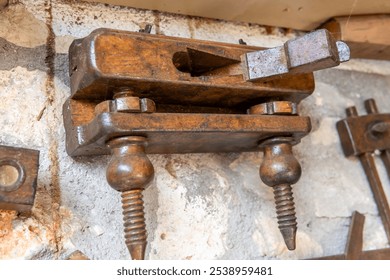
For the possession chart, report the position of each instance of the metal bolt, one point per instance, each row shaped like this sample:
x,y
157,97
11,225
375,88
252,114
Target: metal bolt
x,y
126,104
147,29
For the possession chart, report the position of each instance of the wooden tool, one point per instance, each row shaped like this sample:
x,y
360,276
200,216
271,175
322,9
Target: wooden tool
x,y
134,94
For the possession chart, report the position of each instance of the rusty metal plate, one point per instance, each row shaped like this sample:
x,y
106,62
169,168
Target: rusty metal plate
x,y
172,70
18,178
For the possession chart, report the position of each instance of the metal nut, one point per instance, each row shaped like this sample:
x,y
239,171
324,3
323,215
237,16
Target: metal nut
x,y
127,104
274,108
18,178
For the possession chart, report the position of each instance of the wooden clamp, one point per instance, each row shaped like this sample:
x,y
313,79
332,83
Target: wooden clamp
x,y
134,94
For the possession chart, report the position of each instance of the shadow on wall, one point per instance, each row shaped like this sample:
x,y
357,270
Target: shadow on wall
x,y
32,59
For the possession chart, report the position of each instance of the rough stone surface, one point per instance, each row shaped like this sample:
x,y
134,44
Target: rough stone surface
x,y
200,206
22,28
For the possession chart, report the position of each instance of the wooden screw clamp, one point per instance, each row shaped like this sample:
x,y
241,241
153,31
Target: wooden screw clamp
x,y
134,94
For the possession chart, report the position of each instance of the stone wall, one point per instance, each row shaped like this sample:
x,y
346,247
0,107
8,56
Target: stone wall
x,y
200,206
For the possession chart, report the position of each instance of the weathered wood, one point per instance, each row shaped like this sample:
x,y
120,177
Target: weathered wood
x,y
172,70
179,133
354,246
201,99
298,14
380,254
367,36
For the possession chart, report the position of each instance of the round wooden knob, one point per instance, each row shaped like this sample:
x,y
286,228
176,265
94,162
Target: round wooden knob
x,y
130,171
129,167
279,170
279,165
